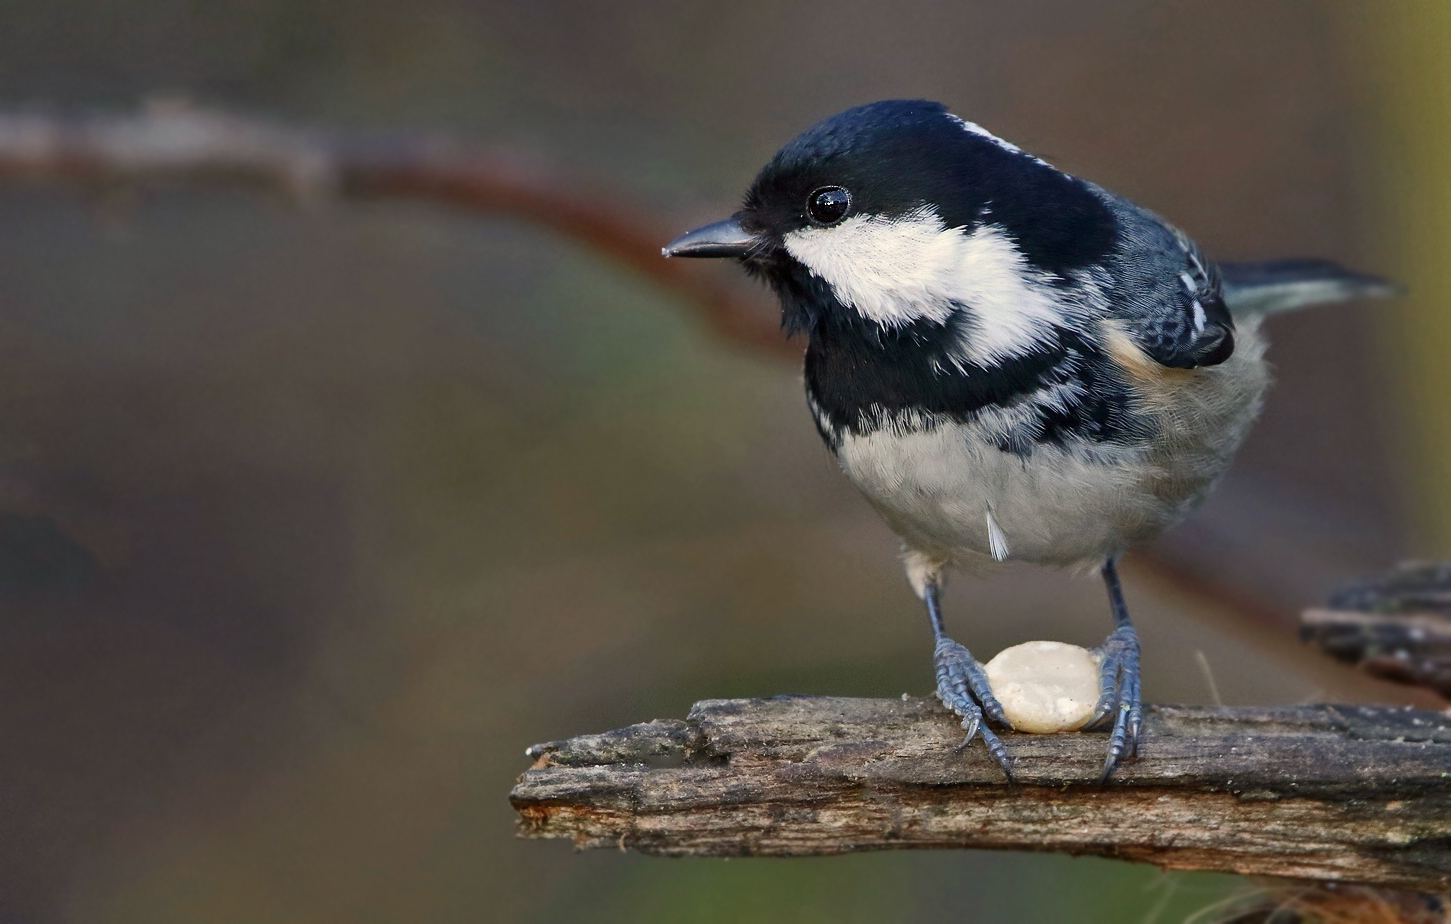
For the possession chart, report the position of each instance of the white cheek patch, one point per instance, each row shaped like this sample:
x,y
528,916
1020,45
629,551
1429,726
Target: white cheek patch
x,y
888,270
1014,305
913,268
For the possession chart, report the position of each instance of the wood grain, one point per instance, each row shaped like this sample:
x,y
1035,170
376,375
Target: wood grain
x,y
1342,793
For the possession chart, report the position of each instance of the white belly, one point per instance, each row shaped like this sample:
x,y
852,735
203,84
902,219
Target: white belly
x,y
946,488
940,488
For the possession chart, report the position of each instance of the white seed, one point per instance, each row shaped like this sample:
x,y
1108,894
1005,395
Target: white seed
x,y
1045,687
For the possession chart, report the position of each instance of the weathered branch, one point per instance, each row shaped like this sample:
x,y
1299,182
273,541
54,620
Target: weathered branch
x,y
1343,793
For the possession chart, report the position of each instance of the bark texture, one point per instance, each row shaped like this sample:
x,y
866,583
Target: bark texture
x,y
1341,793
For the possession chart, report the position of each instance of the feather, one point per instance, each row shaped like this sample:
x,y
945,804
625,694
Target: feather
x,y
997,541
1262,289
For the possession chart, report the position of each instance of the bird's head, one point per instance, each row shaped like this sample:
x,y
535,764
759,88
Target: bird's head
x,y
898,214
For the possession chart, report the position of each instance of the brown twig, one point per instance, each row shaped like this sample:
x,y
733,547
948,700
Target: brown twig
x,y
179,143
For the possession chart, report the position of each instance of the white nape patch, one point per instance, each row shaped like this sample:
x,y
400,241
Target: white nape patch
x,y
981,132
996,540
895,271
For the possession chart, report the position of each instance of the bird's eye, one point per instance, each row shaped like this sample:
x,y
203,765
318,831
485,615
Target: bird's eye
x,y
828,205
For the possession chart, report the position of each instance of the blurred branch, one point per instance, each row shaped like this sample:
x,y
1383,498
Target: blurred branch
x,y
1259,586
178,143
1343,794
1396,626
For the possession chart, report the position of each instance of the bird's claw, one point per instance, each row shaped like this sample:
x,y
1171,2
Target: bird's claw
x,y
962,686
1119,697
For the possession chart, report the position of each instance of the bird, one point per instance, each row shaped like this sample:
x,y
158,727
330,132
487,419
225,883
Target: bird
x,y
1011,363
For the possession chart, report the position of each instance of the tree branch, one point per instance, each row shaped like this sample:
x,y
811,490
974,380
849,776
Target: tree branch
x,y
1342,793
181,144
1395,626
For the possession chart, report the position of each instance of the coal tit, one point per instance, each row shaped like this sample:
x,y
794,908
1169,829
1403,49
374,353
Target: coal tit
x,y
1011,363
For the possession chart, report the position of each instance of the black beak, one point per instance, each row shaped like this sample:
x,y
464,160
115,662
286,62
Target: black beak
x,y
722,239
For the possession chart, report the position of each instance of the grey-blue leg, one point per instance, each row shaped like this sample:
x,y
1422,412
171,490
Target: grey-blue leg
x,y
962,686
1118,697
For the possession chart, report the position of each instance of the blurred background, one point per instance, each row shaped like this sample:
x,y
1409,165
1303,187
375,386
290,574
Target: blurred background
x,y
313,518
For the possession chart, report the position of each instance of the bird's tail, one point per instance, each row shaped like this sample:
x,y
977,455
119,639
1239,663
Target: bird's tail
x,y
1260,289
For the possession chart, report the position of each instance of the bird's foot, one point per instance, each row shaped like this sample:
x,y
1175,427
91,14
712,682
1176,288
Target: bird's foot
x,y
1119,704
962,686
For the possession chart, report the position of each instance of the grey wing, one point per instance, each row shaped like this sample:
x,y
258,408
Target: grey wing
x,y
1169,295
